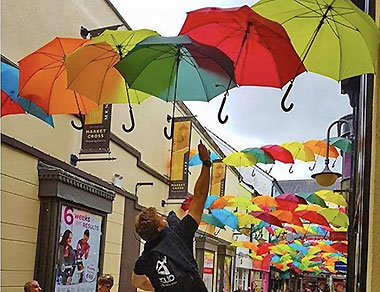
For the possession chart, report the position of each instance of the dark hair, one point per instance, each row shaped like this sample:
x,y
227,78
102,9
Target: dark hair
x,y
147,223
105,279
65,236
87,233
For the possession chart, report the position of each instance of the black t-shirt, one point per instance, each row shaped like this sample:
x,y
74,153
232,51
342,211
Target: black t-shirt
x,y
184,228
168,260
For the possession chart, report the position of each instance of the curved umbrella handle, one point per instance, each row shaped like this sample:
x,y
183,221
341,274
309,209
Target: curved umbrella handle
x,y
132,127
312,167
283,106
222,121
291,169
253,173
334,163
169,136
81,126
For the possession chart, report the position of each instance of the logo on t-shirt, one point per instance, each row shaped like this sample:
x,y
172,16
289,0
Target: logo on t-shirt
x,y
166,277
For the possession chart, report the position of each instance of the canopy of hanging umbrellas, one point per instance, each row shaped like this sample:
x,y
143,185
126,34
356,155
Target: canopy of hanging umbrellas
x,y
218,49
299,226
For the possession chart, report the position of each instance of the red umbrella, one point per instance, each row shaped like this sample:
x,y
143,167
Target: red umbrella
x,y
286,205
263,248
279,153
292,197
8,106
186,203
340,246
268,218
260,48
313,217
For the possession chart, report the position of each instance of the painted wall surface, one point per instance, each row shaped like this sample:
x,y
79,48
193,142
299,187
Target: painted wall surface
x,y
20,208
373,272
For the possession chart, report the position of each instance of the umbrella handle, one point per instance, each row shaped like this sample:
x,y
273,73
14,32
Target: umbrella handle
x,y
312,167
222,121
253,173
80,127
283,106
291,169
131,128
167,136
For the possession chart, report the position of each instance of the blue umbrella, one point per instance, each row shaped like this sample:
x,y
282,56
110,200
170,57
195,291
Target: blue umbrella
x,y
226,217
9,84
299,247
212,220
195,160
210,199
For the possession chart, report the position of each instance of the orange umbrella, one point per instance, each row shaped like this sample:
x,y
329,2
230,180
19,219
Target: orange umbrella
x,y
287,216
43,79
319,148
220,202
265,201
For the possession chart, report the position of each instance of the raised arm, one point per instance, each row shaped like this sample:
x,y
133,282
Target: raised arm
x,y
201,186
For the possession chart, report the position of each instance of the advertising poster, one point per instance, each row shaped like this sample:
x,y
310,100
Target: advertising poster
x,y
96,130
78,251
218,178
208,270
227,274
180,159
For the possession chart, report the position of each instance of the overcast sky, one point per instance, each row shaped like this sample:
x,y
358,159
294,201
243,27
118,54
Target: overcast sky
x,y
255,115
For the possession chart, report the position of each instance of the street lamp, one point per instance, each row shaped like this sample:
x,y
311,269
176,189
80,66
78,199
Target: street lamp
x,y
327,177
140,184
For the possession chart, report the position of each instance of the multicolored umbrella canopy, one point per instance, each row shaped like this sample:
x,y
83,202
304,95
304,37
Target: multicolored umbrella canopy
x,y
279,153
43,79
260,49
209,200
189,71
332,197
327,36
260,155
9,106
239,159
9,84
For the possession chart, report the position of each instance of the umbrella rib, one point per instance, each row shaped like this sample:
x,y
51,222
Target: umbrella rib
x,y
52,85
309,8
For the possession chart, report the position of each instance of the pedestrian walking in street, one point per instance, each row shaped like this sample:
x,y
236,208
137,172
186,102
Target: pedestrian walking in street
x,y
32,286
167,263
105,283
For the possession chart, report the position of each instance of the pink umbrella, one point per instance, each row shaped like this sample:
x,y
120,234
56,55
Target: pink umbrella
x,y
292,197
268,218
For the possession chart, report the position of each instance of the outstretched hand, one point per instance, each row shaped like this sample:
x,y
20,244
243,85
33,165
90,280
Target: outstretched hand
x,y
204,154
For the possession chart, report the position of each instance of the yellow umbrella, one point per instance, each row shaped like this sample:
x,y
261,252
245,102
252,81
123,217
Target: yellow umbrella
x,y
282,249
332,197
335,217
308,208
247,219
299,151
239,159
256,257
254,208
239,202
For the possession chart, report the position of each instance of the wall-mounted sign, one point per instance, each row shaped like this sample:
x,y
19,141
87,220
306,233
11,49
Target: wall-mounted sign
x,y
78,251
218,178
208,270
180,158
96,130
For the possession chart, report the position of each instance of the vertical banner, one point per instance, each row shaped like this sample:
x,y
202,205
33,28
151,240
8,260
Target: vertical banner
x,y
218,178
96,130
180,158
78,251
227,273
208,270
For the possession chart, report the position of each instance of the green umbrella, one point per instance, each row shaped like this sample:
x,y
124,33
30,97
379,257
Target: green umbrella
x,y
260,155
312,198
177,69
328,35
343,144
